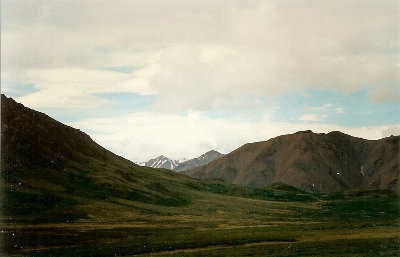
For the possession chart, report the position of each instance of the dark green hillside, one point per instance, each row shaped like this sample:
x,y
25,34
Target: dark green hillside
x,y
48,169
64,195
47,165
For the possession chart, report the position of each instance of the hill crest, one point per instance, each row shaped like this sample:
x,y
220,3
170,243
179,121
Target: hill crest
x,y
311,161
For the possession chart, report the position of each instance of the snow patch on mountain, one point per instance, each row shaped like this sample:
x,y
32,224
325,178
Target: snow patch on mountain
x,y
161,162
181,164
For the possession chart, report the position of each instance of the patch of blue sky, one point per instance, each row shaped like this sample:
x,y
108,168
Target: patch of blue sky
x,y
67,115
14,89
122,69
128,102
394,51
350,110
288,107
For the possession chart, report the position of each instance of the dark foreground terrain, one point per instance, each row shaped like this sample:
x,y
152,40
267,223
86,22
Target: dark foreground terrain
x,y
64,195
351,224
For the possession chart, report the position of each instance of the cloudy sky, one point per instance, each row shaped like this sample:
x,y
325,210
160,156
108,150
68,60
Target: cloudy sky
x,y
179,78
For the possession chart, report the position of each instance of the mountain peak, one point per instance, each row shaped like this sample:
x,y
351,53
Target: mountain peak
x,y
310,161
203,159
212,152
182,164
161,162
306,132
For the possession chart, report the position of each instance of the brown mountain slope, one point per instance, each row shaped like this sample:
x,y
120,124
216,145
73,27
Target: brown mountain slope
x,y
50,170
310,161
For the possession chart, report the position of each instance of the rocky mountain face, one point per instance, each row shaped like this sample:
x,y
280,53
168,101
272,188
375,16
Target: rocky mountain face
x,y
182,164
199,161
162,162
312,162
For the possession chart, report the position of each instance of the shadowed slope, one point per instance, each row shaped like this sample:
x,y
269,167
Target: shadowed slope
x,y
55,173
47,165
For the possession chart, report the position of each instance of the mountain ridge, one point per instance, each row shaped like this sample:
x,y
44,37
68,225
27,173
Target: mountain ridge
x,y
49,169
198,161
161,162
51,173
311,161
62,194
181,164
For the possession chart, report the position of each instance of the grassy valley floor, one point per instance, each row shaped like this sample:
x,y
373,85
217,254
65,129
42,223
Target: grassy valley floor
x,y
349,224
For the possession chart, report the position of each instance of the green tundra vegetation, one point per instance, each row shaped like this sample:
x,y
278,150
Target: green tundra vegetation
x,y
203,218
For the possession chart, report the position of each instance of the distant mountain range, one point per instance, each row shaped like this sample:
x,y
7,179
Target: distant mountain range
x,y
42,157
312,162
182,164
162,162
62,194
53,173
199,161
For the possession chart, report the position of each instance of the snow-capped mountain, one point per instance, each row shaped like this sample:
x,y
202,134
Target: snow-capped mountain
x,y
199,161
182,164
162,162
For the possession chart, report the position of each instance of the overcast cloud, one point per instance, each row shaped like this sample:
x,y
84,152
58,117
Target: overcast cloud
x,y
198,56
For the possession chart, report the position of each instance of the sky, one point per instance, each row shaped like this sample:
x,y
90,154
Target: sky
x,y
178,78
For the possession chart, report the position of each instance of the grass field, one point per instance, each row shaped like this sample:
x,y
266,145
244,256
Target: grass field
x,y
232,222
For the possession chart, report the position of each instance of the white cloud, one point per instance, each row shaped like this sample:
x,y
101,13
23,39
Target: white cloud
x,y
198,55
324,107
204,54
76,88
310,117
145,135
339,110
